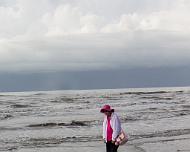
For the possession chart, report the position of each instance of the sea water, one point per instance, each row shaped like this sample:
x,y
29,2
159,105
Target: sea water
x,y
155,120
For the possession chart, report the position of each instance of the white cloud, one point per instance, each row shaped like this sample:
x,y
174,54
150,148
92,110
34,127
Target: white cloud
x,y
8,16
91,23
42,34
67,20
64,20
174,19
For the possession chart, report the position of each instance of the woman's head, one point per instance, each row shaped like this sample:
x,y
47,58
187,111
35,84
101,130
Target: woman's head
x,y
107,110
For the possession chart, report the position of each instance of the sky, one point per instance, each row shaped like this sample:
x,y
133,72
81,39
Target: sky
x,y
65,37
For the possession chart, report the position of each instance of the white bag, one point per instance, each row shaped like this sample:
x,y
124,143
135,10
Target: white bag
x,y
121,139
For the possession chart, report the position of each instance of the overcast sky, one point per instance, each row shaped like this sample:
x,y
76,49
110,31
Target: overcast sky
x,y
83,35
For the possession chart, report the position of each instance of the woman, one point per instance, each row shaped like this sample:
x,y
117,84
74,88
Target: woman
x,y
111,128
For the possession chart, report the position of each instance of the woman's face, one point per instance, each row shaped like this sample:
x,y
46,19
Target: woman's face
x,y
107,113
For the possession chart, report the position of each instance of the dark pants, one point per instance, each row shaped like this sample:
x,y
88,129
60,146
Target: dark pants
x,y
110,147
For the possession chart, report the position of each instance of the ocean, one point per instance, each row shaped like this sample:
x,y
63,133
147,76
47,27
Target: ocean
x,y
155,120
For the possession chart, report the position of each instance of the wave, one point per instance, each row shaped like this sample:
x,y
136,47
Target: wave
x,y
155,115
8,145
157,98
51,124
6,116
19,106
149,92
166,133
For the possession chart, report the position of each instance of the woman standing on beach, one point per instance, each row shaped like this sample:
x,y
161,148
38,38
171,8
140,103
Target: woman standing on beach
x,y
111,128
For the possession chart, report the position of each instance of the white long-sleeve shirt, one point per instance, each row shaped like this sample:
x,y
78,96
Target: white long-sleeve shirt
x,y
115,125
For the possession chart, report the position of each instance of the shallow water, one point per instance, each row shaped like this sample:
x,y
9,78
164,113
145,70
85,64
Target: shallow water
x,y
155,119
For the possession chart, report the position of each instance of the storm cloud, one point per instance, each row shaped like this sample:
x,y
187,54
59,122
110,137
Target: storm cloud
x,y
73,37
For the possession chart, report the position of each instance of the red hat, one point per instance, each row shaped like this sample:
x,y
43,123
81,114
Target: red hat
x,y
106,108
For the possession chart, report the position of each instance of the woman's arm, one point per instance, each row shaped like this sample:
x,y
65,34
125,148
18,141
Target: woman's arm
x,y
116,126
104,129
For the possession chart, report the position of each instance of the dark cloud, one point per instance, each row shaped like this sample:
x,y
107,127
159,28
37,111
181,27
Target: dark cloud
x,y
97,79
103,51
93,36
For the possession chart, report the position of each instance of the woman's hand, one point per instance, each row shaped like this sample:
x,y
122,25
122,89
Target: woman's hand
x,y
113,141
104,140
